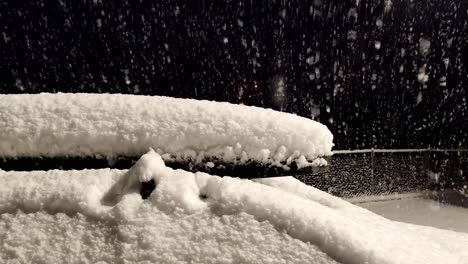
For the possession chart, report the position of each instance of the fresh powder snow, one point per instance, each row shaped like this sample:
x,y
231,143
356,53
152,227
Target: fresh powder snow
x,y
98,216
111,125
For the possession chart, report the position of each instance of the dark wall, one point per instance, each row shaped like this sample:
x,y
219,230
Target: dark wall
x,y
379,73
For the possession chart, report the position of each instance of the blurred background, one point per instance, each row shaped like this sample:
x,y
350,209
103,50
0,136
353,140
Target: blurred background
x,y
378,73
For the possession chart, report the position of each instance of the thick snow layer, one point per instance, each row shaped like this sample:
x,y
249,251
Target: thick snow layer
x,y
100,216
154,238
110,125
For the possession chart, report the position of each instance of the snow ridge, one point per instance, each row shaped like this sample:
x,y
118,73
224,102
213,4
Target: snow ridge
x,y
111,125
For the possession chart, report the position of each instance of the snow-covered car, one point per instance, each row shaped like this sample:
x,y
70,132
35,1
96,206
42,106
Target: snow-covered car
x,y
100,216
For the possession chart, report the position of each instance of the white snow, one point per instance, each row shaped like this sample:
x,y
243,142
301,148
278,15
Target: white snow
x,y
377,44
422,76
352,35
424,46
388,5
419,97
422,211
51,125
98,215
379,22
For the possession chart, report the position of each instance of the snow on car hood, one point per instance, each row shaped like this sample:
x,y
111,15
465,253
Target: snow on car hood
x,y
197,217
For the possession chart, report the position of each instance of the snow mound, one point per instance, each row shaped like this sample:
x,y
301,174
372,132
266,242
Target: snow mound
x,y
196,217
110,125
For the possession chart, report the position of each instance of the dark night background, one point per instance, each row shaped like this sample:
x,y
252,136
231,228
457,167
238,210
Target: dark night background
x,y
378,73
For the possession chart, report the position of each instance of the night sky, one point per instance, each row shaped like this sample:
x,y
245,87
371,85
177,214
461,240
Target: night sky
x,y
378,73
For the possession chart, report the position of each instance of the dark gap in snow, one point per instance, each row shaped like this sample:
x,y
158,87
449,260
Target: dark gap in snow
x,y
247,170
347,174
147,188
203,196
64,163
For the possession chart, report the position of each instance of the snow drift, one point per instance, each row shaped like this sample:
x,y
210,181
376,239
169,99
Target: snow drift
x,y
200,218
110,125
